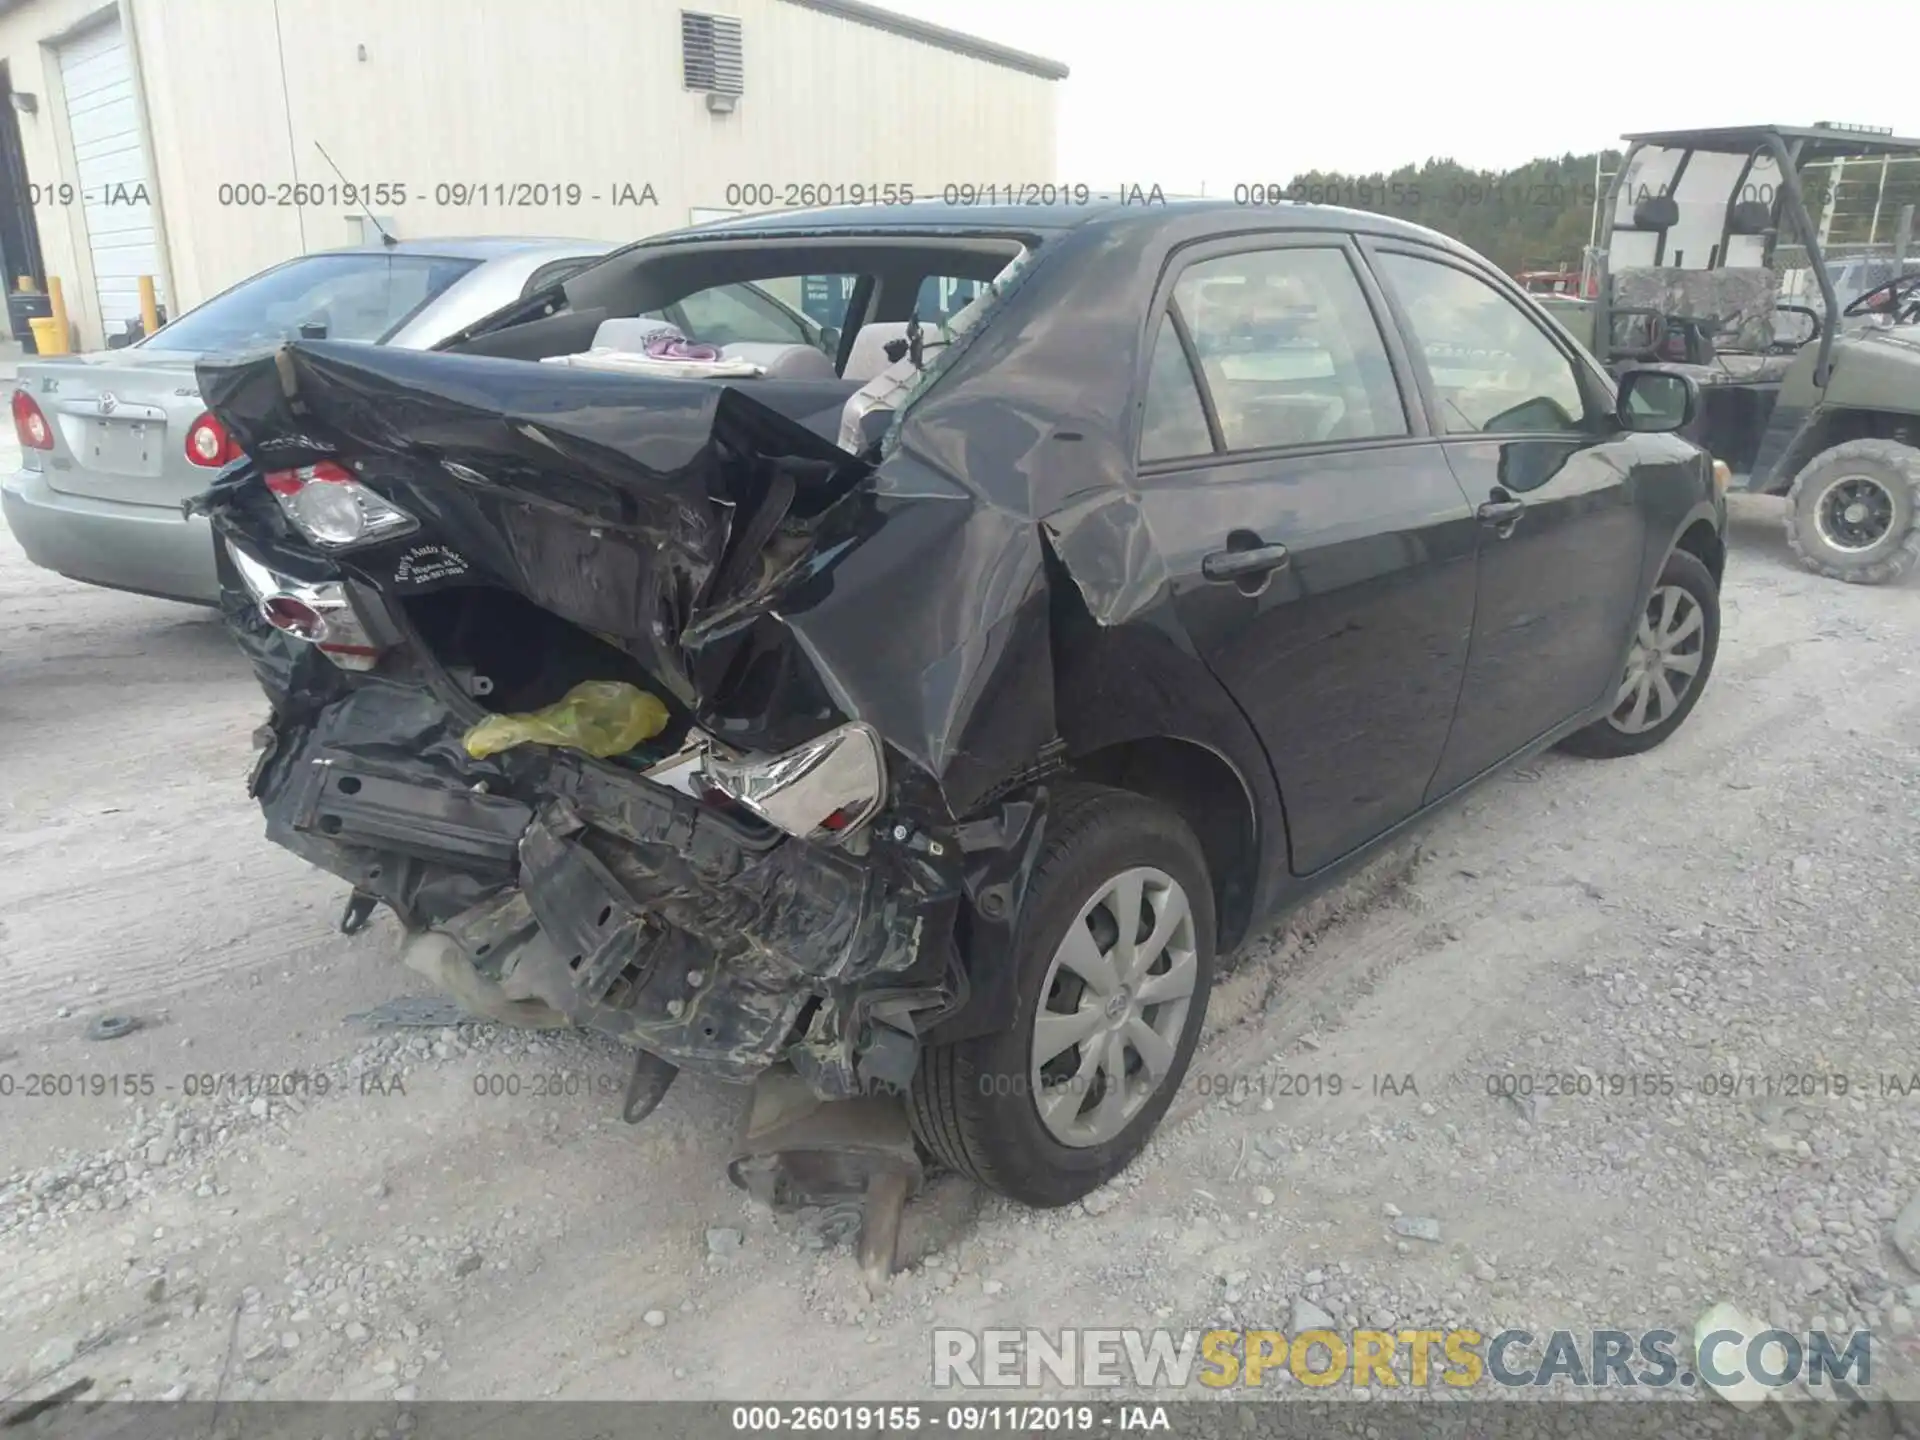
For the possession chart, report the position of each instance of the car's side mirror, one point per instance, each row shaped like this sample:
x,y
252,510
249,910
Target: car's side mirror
x,y
1657,401
830,341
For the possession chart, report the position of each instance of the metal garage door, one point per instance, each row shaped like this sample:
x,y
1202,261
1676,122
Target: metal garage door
x,y
96,73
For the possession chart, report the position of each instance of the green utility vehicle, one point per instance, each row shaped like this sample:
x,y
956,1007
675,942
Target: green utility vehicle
x,y
1819,403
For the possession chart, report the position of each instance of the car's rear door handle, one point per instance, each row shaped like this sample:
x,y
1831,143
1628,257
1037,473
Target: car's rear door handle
x,y
1224,565
1501,515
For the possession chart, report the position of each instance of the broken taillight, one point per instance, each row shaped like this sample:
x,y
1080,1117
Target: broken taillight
x,y
293,615
332,509
823,790
321,613
30,423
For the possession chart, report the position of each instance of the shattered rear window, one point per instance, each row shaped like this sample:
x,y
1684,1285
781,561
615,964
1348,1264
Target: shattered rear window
x,y
955,332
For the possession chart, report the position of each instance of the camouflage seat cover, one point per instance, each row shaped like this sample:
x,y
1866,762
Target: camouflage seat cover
x,y
1753,369
1735,369
1741,300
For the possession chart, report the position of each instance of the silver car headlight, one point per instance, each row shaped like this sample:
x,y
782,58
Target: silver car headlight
x,y
825,789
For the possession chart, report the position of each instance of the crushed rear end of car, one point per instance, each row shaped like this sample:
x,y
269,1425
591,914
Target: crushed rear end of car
x,y
772,885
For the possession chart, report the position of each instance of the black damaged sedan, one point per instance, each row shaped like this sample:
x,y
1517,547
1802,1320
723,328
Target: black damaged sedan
x,y
1104,581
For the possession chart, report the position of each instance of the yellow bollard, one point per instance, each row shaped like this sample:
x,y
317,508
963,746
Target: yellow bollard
x,y
47,339
57,298
149,311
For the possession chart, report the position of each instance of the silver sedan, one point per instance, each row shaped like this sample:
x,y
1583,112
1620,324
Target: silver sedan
x,y
112,442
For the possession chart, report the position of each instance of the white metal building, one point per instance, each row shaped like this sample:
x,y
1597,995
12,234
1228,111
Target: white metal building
x,y
183,139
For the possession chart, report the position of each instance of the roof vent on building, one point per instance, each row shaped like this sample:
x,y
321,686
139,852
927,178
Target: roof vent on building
x,y
710,53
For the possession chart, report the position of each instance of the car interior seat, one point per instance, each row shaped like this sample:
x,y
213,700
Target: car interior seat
x,y
781,362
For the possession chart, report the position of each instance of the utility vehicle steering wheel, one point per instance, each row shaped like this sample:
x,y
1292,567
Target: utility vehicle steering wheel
x,y
1899,297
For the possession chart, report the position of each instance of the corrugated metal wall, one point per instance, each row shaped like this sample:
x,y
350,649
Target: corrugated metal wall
x,y
466,102
30,36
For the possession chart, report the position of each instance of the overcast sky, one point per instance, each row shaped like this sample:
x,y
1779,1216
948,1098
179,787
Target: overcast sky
x,y
1230,91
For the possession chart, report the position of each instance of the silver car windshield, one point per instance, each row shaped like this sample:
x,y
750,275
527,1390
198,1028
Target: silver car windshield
x,y
362,296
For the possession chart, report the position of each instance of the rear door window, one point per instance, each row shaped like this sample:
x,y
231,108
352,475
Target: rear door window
x,y
1174,425
1289,349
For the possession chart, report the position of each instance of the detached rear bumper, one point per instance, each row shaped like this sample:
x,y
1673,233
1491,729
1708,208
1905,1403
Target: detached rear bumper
x,y
148,549
622,904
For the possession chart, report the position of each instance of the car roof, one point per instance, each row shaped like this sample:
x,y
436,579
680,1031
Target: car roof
x,y
479,247
933,216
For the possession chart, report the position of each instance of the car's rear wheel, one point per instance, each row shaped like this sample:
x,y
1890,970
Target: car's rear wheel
x,y
1114,962
1673,650
1851,511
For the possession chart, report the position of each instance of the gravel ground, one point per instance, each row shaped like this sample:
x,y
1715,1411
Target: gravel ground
x,y
1742,903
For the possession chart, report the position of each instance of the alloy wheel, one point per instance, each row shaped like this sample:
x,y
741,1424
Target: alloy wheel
x,y
1663,664
1854,513
1112,1007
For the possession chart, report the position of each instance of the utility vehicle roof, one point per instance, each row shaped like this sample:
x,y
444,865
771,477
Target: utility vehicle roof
x,y
1817,142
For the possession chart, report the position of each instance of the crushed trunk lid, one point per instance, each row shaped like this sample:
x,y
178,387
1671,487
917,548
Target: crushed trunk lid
x,y
633,507
698,525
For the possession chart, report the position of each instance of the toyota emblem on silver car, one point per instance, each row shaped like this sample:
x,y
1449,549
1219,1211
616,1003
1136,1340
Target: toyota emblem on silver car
x,y
108,404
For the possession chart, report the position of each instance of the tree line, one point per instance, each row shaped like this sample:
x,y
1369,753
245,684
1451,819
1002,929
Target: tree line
x,y
1537,216
1540,216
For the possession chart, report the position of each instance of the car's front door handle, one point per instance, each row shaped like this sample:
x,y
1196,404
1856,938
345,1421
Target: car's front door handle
x,y
1224,565
1501,515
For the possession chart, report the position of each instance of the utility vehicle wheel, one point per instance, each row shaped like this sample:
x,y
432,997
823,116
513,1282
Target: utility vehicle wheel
x,y
1114,960
1672,656
1850,513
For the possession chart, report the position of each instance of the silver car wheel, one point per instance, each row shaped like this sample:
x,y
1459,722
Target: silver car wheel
x,y
1663,663
1112,1007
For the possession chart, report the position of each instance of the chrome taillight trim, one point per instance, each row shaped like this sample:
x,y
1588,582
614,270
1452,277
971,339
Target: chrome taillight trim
x,y
844,769
342,638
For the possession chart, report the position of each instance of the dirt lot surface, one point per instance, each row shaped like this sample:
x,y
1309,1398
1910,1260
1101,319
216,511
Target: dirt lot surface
x,y
460,1213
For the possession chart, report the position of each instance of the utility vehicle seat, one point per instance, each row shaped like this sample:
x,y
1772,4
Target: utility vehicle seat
x,y
1742,300
1752,369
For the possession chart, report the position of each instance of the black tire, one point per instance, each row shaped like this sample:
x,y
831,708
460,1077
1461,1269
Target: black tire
x,y
1605,739
972,1101
1893,468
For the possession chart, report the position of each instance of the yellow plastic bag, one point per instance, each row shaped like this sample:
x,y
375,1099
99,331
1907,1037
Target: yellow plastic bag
x,y
601,717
